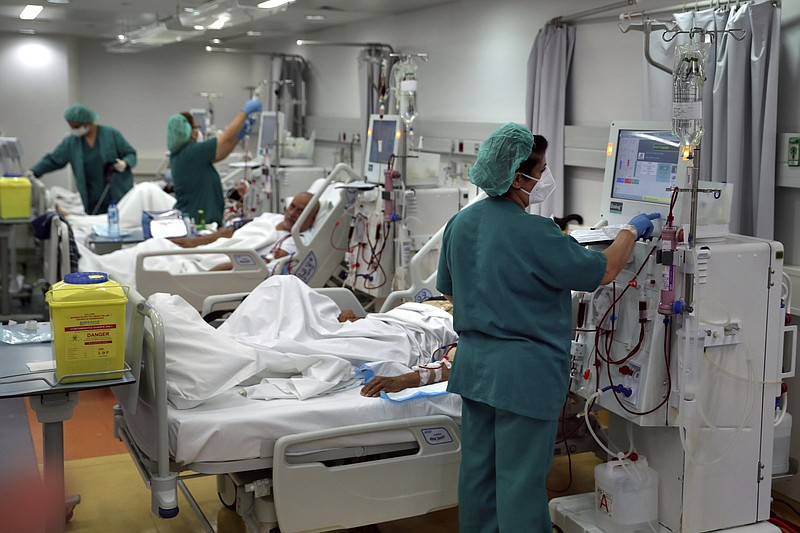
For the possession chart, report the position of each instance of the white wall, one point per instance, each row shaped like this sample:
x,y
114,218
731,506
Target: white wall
x,y
35,89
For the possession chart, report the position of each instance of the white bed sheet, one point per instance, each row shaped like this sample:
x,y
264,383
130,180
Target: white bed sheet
x,y
231,427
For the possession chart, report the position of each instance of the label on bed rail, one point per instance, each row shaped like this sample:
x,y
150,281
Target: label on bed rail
x,y
243,259
434,436
307,268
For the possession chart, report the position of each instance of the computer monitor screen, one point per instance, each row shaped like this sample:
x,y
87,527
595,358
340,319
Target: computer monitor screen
x,y
644,163
270,127
199,117
382,136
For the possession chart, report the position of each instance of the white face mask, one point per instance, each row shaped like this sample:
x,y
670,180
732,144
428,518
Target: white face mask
x,y
543,189
80,132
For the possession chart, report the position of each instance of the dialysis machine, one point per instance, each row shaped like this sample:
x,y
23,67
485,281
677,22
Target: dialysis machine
x,y
685,349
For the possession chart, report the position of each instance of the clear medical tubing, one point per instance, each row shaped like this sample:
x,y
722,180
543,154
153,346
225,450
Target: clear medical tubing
x,y
668,245
687,93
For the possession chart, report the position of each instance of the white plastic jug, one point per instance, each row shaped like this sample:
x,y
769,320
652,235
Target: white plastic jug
x,y
626,496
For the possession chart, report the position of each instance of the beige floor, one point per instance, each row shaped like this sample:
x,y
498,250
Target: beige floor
x,y
114,500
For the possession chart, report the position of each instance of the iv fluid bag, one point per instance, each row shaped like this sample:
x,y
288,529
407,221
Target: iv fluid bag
x,y
408,101
687,93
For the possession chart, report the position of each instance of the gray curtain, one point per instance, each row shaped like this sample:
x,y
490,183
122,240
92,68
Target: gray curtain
x,y
290,91
545,103
739,106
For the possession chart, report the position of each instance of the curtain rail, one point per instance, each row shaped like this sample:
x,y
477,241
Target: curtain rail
x,y
688,6
669,10
558,21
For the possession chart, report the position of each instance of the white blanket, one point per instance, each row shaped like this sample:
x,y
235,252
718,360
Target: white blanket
x,y
121,264
288,336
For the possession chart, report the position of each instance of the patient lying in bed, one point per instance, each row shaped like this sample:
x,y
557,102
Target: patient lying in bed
x,y
302,351
265,235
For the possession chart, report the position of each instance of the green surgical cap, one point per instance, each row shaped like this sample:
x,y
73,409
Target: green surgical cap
x,y
500,156
80,114
179,131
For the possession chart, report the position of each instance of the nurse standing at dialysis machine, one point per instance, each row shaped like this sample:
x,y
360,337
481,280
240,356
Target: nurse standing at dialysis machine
x,y
100,157
509,276
198,186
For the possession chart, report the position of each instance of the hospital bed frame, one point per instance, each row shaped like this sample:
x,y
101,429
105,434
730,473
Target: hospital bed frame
x,y
286,492
319,254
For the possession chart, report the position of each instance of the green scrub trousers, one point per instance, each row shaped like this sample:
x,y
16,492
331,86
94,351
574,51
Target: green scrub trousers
x,y
514,466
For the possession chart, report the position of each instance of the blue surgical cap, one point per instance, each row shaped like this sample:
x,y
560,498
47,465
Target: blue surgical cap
x,y
500,156
80,114
179,131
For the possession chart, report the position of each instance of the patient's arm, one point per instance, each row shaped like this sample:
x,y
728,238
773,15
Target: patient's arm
x,y
390,384
402,382
193,242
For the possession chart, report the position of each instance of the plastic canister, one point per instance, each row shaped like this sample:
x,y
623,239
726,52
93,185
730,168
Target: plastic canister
x,y
626,496
780,450
15,197
87,315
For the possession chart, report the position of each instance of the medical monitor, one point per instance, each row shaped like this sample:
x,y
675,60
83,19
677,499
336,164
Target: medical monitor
x,y
199,116
383,138
270,133
644,163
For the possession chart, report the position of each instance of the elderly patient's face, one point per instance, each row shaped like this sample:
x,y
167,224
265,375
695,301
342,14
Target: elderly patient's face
x,y
292,213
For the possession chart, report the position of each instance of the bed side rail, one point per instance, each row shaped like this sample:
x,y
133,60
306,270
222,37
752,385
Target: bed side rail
x,y
247,272
145,354
372,491
421,289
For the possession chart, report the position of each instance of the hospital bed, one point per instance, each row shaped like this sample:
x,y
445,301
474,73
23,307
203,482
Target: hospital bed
x,y
320,251
329,462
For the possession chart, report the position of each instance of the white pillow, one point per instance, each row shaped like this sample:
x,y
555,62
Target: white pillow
x,y
201,361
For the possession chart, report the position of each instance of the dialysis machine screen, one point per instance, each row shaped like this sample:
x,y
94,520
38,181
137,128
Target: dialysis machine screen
x,y
382,135
644,164
270,127
199,116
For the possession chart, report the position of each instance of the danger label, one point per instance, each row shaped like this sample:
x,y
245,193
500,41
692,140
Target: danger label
x,y
88,342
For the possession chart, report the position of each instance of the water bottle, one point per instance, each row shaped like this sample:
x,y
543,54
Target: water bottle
x,y
687,99
113,220
200,224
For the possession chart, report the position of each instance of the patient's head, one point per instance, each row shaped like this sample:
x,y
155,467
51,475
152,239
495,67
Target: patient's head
x,y
295,208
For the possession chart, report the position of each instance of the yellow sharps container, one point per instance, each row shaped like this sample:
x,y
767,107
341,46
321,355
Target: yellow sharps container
x,y
87,314
15,197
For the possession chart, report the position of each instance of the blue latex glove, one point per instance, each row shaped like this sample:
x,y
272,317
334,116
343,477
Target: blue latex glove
x,y
252,106
247,127
643,225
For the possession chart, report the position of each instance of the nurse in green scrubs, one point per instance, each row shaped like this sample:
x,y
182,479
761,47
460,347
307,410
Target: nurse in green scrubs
x,y
198,186
100,157
509,275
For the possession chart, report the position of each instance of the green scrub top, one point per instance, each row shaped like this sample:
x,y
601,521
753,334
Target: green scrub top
x,y
510,275
197,183
88,166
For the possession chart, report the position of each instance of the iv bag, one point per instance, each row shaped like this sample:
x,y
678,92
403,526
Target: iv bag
x,y
687,92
